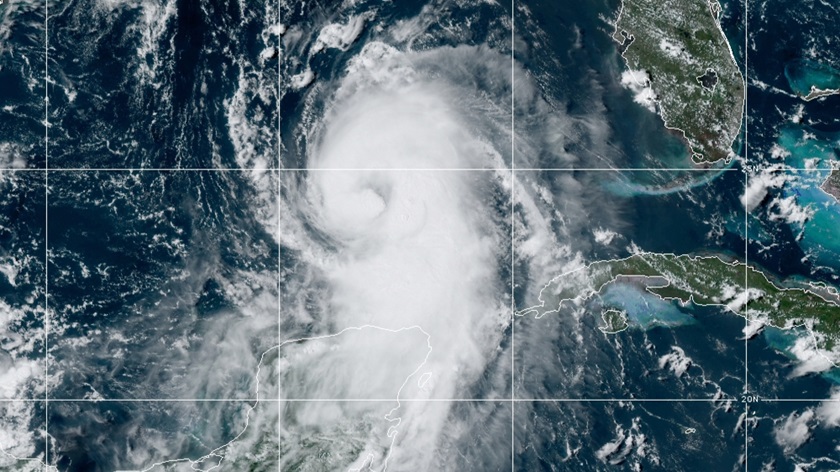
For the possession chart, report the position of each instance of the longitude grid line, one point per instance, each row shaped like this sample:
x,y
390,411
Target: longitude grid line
x,y
746,231
512,238
746,188
746,254
46,236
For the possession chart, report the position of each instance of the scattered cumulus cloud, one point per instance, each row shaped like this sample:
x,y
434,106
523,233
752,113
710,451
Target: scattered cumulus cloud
x,y
759,185
794,431
638,81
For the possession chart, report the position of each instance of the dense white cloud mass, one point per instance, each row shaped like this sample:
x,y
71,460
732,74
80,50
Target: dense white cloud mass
x,y
402,223
413,252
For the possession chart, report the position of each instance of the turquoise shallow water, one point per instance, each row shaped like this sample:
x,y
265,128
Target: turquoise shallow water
x,y
631,186
802,74
821,233
783,340
644,310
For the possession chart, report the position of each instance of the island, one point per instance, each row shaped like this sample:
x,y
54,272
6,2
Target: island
x,y
615,321
742,289
679,51
831,185
816,93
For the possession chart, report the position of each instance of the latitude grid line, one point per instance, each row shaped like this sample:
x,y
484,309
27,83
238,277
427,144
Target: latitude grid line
x,y
279,170
361,169
413,400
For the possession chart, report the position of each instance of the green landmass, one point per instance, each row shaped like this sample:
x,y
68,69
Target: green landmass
x,y
816,93
831,185
699,88
705,280
615,321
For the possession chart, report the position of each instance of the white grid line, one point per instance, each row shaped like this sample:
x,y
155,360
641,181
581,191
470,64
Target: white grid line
x,y
46,236
746,437
746,230
414,400
512,237
382,169
397,169
746,188
746,284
